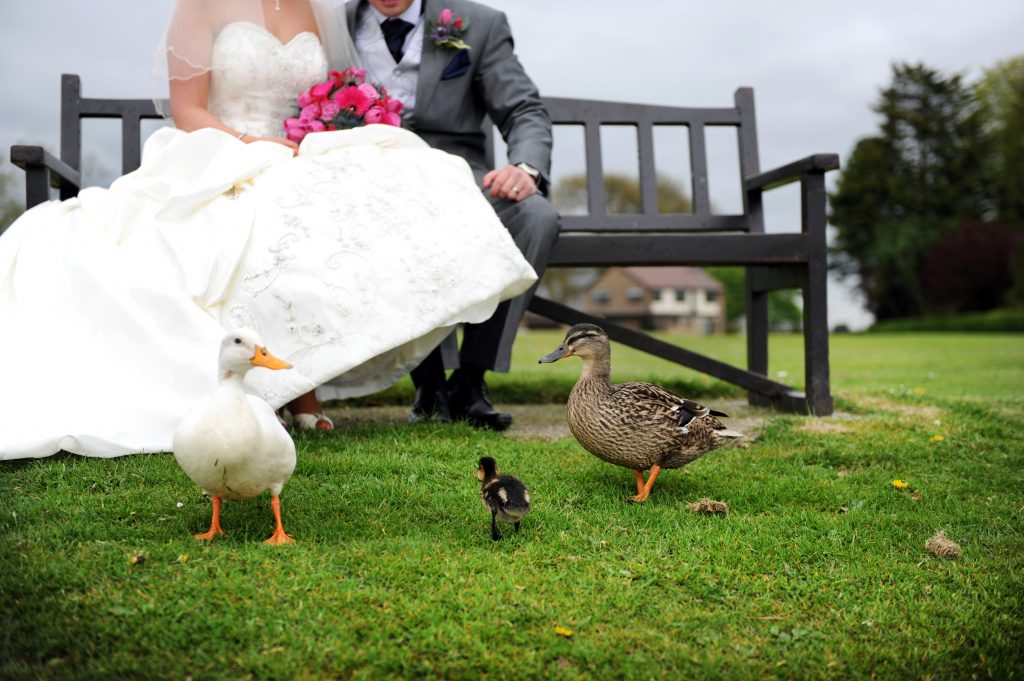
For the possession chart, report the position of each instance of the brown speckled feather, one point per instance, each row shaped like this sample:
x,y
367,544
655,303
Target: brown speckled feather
x,y
635,425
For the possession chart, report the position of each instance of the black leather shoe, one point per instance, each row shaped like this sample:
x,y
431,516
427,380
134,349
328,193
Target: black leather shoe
x,y
431,403
467,400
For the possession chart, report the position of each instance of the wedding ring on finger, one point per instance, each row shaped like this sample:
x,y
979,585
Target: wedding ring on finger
x,y
515,190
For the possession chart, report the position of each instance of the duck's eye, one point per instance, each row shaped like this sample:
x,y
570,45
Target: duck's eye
x,y
238,341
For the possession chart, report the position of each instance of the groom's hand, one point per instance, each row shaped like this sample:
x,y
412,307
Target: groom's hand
x,y
510,182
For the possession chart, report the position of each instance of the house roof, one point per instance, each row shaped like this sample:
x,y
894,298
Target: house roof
x,y
673,277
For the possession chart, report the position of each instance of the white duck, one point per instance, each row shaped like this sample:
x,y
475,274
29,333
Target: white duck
x,y
231,443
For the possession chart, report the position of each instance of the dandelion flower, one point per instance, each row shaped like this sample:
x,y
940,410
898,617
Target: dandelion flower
x,y
899,484
936,438
919,390
562,631
183,558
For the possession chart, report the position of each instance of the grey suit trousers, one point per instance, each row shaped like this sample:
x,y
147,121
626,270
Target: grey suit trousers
x,y
533,224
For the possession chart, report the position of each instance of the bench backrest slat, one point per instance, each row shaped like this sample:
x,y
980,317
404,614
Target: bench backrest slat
x,y
592,115
645,119
74,108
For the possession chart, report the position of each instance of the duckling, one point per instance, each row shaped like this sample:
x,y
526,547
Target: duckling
x,y
505,496
635,425
231,444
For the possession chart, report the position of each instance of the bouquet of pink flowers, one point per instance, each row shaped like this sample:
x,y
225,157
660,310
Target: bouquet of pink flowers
x,y
345,100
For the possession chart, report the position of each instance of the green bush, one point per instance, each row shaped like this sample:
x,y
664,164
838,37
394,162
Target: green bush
x,y
1002,320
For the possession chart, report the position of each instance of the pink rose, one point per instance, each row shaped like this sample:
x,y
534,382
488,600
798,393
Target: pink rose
x,y
393,105
310,112
352,99
305,99
374,115
321,90
329,110
445,17
295,129
317,126
392,119
369,91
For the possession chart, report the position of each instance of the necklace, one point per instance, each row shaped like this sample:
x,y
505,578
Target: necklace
x,y
277,5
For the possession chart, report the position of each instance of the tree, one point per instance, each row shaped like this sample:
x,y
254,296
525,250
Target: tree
x,y
11,204
912,182
784,312
1001,97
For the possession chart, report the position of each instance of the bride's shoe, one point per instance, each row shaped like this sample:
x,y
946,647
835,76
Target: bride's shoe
x,y
316,421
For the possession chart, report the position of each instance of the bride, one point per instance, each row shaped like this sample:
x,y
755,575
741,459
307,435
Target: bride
x,y
352,254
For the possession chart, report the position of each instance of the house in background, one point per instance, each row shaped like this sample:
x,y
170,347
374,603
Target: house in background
x,y
679,299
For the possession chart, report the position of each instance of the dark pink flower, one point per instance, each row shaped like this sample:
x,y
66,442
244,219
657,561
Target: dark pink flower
x,y
321,90
392,119
305,99
445,17
393,105
317,126
329,110
310,112
369,91
374,115
458,24
295,129
352,99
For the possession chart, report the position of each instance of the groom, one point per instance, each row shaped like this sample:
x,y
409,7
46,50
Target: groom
x,y
449,80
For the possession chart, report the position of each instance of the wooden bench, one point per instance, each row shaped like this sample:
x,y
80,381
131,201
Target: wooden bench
x,y
772,261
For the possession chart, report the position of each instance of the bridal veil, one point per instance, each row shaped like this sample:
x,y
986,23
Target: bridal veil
x,y
186,50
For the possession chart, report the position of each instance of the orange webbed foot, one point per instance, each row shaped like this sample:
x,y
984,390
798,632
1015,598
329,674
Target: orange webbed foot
x,y
278,538
643,492
214,524
209,534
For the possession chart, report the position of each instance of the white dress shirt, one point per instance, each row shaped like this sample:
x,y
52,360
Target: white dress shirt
x,y
400,79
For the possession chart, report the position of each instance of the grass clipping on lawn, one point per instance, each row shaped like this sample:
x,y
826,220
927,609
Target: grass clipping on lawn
x,y
709,507
942,546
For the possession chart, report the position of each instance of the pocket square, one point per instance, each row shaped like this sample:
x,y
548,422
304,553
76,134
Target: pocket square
x,y
458,65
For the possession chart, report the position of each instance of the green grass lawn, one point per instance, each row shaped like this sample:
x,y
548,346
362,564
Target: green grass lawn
x,y
818,571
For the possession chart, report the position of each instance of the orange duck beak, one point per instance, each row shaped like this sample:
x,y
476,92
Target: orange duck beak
x,y
262,358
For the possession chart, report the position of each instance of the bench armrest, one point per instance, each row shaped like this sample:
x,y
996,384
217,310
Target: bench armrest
x,y
42,171
791,172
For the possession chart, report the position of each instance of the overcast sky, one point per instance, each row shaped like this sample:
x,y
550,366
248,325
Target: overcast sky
x,y
815,66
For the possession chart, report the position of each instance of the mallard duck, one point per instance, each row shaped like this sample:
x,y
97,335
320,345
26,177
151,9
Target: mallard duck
x,y
505,496
231,443
636,425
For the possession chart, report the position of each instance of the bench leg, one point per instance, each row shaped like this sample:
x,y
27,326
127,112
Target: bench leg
x,y
816,371
757,336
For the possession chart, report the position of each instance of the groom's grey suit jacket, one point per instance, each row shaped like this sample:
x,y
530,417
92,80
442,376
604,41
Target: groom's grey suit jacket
x,y
454,93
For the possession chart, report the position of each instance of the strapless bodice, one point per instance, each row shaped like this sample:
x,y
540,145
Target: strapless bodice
x,y
256,78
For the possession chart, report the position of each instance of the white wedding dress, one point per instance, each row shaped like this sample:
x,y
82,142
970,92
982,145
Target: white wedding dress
x,y
351,260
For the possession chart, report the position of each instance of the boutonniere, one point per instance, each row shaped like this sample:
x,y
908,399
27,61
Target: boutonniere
x,y
447,30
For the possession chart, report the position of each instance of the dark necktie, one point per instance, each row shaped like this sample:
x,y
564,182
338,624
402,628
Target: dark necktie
x,y
395,31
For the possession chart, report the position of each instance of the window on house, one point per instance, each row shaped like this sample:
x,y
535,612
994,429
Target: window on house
x,y
681,294
601,296
711,296
635,294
